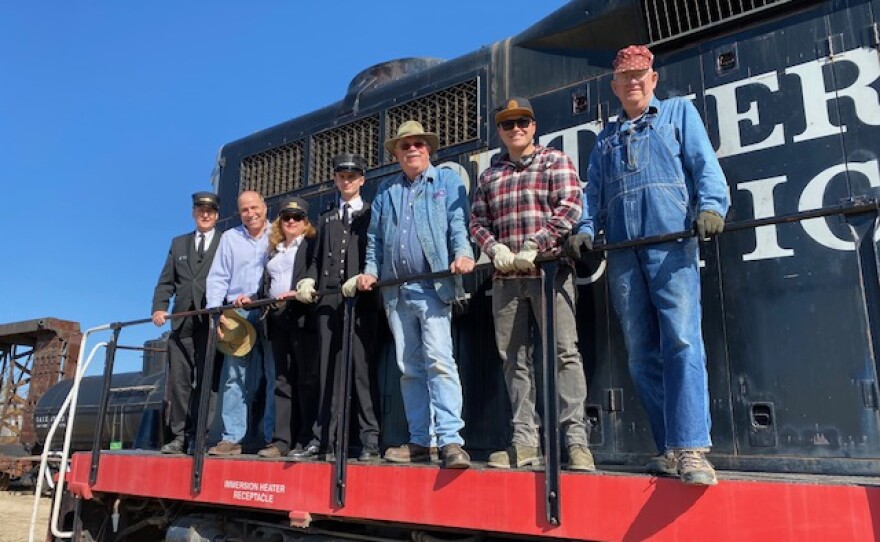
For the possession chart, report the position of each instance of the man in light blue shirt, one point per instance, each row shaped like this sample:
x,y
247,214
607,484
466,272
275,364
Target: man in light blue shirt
x,y
235,275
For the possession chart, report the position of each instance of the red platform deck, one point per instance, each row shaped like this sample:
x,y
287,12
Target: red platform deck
x,y
595,506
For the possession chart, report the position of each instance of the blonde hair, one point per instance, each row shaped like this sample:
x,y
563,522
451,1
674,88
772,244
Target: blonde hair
x,y
277,234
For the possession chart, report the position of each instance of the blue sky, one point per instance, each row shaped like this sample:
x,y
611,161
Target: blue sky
x,y
112,113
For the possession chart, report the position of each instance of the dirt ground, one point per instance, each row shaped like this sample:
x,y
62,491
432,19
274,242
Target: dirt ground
x,y
15,516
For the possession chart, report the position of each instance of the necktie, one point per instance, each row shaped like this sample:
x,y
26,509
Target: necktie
x,y
346,219
201,249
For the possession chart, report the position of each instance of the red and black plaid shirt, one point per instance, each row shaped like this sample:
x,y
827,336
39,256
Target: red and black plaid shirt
x,y
536,199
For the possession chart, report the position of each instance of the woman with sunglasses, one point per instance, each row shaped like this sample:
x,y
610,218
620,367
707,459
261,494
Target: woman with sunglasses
x,y
291,329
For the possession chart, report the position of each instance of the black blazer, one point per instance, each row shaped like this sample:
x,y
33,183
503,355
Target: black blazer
x,y
301,315
340,253
183,276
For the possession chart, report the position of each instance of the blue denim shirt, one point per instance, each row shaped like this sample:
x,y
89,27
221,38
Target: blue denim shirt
x,y
653,175
408,256
440,207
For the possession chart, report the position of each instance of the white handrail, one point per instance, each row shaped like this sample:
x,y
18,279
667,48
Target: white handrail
x,y
69,404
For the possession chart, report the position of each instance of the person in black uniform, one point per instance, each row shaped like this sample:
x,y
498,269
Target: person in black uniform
x,y
337,263
290,328
183,277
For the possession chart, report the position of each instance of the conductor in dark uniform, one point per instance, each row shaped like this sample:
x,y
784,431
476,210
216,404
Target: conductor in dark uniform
x,y
337,263
183,277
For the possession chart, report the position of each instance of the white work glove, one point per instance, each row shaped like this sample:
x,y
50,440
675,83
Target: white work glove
x,y
305,291
350,287
525,258
502,258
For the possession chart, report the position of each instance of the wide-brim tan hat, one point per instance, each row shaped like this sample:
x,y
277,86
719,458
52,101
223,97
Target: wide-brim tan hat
x,y
413,128
239,336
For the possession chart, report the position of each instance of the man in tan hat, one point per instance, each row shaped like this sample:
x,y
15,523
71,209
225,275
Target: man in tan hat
x,y
183,277
526,202
418,226
235,276
653,171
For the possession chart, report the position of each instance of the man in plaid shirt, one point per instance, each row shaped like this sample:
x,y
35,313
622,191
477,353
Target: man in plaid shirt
x,y
526,203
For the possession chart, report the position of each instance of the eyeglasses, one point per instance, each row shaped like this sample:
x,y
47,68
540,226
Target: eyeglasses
x,y
296,218
404,146
626,77
522,124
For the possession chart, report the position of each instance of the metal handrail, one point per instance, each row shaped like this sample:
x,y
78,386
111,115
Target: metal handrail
x,y
69,404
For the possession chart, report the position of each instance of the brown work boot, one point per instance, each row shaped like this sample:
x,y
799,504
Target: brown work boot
x,y
580,458
272,451
409,453
454,457
694,469
518,455
224,447
662,464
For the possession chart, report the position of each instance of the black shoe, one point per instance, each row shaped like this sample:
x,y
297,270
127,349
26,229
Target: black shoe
x,y
176,446
310,453
370,454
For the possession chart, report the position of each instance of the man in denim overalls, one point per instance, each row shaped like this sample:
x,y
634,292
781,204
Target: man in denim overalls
x,y
654,171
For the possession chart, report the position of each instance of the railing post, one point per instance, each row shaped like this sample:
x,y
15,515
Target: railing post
x,y
342,430
102,406
207,383
551,398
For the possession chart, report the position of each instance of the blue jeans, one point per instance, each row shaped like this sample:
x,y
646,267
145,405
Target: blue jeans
x,y
421,324
241,379
656,294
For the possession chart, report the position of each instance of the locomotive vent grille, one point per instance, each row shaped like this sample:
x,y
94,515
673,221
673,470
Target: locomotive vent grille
x,y
273,172
668,19
451,113
358,137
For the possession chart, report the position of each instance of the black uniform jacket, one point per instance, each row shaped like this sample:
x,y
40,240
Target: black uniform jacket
x,y
340,253
184,276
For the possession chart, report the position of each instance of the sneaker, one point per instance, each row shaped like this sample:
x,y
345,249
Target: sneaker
x,y
271,451
176,446
312,452
662,464
410,453
454,457
518,455
224,447
694,469
370,454
580,458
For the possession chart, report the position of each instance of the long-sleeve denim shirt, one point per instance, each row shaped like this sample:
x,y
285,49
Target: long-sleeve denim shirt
x,y
652,175
237,267
441,208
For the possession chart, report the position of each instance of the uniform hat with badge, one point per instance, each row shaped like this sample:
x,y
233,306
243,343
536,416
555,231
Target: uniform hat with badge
x,y
206,198
239,335
514,108
293,206
633,58
349,162
413,128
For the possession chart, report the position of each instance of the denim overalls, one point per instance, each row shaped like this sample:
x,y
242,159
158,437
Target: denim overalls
x,y
649,177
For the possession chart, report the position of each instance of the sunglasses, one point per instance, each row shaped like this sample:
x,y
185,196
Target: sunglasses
x,y
296,217
416,144
522,124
